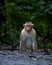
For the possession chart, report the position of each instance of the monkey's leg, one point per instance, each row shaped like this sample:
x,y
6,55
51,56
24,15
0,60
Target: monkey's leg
x,y
34,47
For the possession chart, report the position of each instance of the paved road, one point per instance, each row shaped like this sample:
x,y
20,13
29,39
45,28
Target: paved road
x,y
24,58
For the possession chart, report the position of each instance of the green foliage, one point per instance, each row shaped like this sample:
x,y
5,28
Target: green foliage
x,y
20,11
50,45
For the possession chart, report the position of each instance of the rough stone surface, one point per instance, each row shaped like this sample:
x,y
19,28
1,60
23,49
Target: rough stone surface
x,y
24,58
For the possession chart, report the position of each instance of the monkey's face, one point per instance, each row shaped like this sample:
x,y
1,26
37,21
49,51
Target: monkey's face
x,y
28,28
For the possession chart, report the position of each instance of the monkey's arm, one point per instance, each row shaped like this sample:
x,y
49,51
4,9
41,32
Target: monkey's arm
x,y
22,42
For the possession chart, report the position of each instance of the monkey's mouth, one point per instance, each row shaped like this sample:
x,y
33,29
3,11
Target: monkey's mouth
x,y
28,30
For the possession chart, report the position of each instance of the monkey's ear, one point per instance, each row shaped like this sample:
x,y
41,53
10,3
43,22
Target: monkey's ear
x,y
32,24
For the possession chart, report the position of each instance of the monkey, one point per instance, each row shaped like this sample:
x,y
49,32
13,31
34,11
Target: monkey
x,y
28,37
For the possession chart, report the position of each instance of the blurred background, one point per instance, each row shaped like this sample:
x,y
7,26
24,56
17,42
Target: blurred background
x,y
14,13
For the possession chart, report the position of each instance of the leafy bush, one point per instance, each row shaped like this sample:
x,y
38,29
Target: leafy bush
x,y
18,12
50,45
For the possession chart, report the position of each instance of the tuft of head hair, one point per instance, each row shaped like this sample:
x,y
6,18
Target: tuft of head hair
x,y
28,23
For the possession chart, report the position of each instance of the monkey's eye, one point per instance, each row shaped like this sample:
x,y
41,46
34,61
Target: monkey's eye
x,y
28,25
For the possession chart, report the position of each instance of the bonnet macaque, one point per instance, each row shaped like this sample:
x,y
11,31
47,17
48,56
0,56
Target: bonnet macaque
x,y
28,38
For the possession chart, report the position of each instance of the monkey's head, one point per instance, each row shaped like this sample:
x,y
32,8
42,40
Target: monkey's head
x,y
28,26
